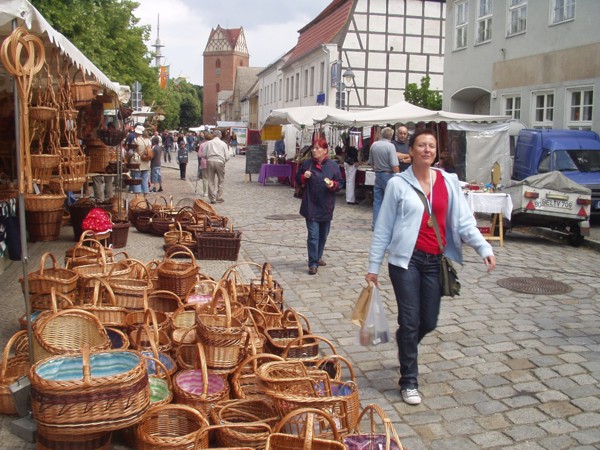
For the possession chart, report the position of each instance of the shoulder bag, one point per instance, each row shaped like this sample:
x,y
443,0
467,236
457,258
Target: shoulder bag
x,y
448,275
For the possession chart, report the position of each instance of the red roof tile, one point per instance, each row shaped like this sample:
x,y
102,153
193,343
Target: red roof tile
x,y
322,29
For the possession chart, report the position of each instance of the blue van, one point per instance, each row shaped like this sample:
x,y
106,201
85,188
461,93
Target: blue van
x,y
574,153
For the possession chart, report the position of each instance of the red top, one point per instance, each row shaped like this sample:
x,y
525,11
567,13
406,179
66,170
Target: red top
x,y
427,241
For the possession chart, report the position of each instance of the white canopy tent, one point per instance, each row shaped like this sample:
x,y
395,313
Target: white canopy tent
x,y
300,116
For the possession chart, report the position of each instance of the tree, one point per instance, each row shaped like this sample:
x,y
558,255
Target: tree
x,y
107,32
423,96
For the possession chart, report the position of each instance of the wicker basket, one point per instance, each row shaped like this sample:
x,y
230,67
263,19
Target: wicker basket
x,y
161,388
244,382
43,280
47,439
307,434
245,423
224,336
178,236
44,226
42,113
177,276
103,304
120,233
83,92
199,388
44,161
66,332
13,367
388,440
131,291
44,202
164,301
293,326
171,427
98,158
221,246
96,392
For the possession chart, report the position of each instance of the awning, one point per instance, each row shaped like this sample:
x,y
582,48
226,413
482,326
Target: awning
x,y
300,116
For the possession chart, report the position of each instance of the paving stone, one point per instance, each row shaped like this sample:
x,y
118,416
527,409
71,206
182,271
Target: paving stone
x,y
589,404
525,433
586,420
558,442
588,436
560,409
491,439
524,416
558,426
495,421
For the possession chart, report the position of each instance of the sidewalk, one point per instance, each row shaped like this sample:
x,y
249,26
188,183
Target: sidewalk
x,y
503,370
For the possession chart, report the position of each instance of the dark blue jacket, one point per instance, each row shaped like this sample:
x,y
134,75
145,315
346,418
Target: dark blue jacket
x,y
318,201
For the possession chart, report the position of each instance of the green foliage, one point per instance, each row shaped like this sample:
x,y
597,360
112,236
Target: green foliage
x,y
181,105
107,33
422,96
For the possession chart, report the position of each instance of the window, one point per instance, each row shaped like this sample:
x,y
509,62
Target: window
x,y
322,78
287,89
218,88
580,107
312,80
562,10
461,22
517,17
306,82
512,106
543,109
218,67
297,86
280,88
484,22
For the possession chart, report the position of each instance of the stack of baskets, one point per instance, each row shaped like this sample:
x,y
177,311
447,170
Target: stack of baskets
x,y
43,216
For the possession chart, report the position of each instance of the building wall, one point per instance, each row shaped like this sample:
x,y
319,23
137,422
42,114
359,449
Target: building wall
x,y
543,59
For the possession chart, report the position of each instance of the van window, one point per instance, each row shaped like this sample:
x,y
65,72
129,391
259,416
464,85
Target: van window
x,y
586,160
563,161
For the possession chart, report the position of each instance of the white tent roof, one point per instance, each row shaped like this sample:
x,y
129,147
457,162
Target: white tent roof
x,y
300,116
401,113
26,15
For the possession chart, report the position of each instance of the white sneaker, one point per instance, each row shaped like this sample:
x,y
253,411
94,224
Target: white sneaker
x,y
411,396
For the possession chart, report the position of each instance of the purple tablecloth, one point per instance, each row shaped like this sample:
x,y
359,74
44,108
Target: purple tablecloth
x,y
274,170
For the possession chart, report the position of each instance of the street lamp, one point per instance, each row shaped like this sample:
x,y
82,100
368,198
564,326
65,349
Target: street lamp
x,y
348,77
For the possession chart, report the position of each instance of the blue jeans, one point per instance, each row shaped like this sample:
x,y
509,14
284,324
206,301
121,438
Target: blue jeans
x,y
418,295
144,176
317,237
381,181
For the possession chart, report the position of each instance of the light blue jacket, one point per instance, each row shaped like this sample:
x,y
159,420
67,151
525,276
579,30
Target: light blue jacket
x,y
399,221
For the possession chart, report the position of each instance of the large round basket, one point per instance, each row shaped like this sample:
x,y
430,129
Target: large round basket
x,y
44,225
88,393
48,439
44,202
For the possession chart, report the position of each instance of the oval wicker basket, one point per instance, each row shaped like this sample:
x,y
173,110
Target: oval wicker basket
x,y
42,113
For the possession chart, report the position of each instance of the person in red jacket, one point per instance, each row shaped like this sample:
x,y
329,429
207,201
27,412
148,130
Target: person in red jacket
x,y
320,178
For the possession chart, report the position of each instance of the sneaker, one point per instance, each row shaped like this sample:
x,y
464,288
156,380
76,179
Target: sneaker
x,y
153,190
160,190
411,396
322,263
220,200
312,270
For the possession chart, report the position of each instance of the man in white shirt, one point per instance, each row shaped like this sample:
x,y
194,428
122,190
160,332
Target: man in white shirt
x,y
216,153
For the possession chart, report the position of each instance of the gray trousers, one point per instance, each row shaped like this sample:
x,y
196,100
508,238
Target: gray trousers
x,y
215,190
103,187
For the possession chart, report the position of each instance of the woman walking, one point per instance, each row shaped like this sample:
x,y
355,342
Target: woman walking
x,y
182,158
406,230
320,178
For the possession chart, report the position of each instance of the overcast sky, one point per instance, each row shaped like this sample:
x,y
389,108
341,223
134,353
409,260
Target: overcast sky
x,y
271,28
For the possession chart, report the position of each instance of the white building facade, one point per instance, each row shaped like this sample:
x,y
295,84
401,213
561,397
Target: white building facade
x,y
534,60
386,44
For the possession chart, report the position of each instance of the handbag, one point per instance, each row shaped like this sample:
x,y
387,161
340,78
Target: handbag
x,y
450,285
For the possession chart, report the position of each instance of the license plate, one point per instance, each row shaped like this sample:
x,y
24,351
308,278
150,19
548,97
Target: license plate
x,y
597,204
552,203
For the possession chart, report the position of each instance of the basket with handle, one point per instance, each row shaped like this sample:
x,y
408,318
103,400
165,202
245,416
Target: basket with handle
x,y
87,249
47,439
267,290
293,325
200,388
175,275
163,301
171,427
131,291
66,332
118,339
147,335
185,350
101,269
137,318
246,423
44,304
201,292
84,91
178,236
225,336
90,392
244,382
236,274
44,279
103,304
337,398
167,361
373,438
303,433
14,366
161,387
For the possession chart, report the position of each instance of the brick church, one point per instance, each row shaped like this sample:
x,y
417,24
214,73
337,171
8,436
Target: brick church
x,y
225,51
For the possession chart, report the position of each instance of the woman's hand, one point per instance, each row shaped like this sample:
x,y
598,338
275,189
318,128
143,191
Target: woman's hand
x,y
490,262
372,278
307,174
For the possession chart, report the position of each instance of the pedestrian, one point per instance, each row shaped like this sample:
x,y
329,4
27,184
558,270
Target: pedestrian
x,y
406,230
141,145
383,159
280,149
182,158
216,154
169,149
350,168
155,163
202,170
233,143
320,177
401,144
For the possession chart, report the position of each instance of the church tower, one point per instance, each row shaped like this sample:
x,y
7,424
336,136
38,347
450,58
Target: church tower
x,y
225,51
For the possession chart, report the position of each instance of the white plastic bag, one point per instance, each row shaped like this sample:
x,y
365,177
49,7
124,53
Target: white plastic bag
x,y
375,330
